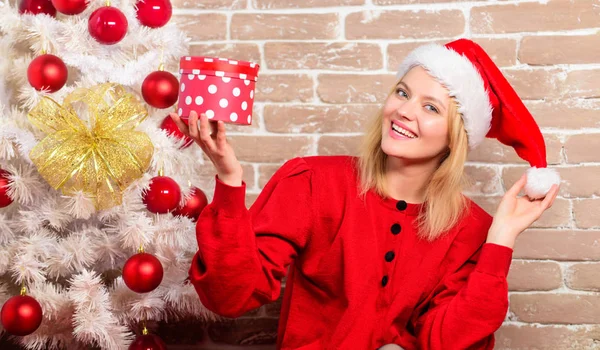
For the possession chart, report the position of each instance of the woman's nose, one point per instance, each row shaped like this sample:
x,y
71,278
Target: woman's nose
x,y
407,110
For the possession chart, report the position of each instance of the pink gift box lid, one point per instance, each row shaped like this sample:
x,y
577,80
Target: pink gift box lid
x,y
223,67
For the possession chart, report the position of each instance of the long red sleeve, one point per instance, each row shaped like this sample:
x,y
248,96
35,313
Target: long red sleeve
x,y
243,254
471,303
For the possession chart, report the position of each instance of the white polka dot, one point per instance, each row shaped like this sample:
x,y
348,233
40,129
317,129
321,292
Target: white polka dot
x,y
249,119
220,74
233,62
226,79
243,76
188,58
247,82
252,65
223,103
199,100
212,88
190,76
208,60
188,100
182,87
202,77
236,92
251,94
180,111
233,116
222,59
244,105
196,71
210,114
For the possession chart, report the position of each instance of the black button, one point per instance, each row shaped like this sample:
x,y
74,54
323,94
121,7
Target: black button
x,y
389,256
396,228
384,281
401,205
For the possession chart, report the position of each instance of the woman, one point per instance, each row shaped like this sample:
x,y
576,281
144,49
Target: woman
x,y
381,248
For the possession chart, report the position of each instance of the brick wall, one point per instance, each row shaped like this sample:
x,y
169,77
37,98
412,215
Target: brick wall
x,y
326,65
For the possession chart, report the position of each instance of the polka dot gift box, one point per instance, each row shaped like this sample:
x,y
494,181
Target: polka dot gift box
x,y
221,88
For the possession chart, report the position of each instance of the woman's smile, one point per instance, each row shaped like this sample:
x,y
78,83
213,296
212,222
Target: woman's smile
x,y
400,131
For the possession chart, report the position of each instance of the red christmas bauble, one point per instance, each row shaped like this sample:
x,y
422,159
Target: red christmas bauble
x,y
108,25
172,129
47,72
142,273
21,315
70,7
36,7
5,200
160,89
163,196
154,13
193,205
148,342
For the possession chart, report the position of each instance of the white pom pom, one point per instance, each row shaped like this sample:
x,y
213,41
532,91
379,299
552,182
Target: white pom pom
x,y
539,181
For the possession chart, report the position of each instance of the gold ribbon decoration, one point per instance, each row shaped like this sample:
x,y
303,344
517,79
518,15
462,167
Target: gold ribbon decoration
x,y
91,144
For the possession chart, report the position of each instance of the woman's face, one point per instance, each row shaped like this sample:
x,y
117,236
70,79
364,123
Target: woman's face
x,y
415,118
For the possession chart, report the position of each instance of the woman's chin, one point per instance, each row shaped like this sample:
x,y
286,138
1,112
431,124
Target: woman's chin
x,y
393,148
406,155
394,152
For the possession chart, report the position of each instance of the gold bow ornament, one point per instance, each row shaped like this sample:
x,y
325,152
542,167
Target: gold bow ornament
x,y
91,144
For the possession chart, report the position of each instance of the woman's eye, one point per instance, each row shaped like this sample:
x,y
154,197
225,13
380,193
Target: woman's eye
x,y
433,109
401,92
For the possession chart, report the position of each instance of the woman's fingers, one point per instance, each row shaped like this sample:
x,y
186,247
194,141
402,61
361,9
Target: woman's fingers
x,y
517,187
193,126
221,138
549,199
196,132
553,199
218,134
180,124
545,203
209,135
205,135
213,129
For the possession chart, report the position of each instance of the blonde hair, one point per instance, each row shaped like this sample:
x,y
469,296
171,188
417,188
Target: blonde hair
x,y
444,202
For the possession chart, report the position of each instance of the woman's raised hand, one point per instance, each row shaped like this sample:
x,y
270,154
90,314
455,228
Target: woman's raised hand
x,y
211,138
515,214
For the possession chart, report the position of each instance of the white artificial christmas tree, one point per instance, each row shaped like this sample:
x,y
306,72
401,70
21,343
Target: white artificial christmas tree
x,y
62,246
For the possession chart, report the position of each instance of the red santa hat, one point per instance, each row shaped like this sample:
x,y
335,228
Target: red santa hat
x,y
488,104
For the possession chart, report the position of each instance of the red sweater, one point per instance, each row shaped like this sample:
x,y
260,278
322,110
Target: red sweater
x,y
358,277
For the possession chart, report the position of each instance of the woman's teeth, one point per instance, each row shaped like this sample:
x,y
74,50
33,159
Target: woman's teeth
x,y
404,132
